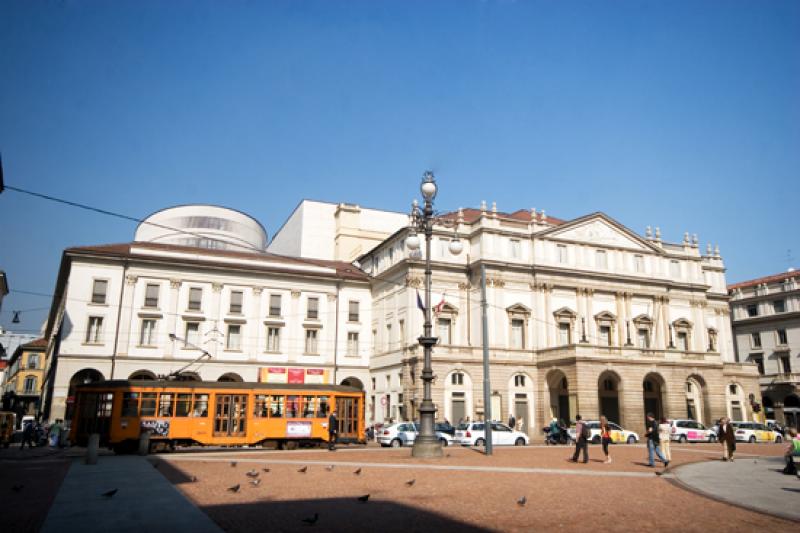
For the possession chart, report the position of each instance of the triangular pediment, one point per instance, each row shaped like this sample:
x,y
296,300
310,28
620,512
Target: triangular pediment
x,y
600,230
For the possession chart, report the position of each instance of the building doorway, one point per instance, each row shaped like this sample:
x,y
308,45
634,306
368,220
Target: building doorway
x,y
608,385
559,396
654,395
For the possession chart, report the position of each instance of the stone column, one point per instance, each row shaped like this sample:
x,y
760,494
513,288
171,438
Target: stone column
x,y
126,319
254,320
171,322
548,313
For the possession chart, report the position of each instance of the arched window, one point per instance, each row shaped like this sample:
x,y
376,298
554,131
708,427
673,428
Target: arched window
x,y
457,378
519,380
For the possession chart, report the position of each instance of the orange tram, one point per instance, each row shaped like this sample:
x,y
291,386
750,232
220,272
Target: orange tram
x,y
185,413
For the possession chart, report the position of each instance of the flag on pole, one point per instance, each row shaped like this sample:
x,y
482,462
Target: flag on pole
x,y
440,305
419,303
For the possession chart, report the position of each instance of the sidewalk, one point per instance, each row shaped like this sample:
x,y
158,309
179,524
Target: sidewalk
x,y
755,484
145,500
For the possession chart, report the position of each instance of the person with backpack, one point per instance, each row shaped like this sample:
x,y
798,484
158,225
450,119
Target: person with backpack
x,y
582,434
654,442
792,450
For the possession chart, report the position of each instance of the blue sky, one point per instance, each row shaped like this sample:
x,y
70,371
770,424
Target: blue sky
x,y
683,115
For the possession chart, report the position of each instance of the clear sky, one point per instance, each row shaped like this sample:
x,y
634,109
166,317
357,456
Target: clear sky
x,y
683,115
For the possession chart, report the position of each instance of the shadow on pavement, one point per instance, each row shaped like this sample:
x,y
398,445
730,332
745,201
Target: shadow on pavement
x,y
332,514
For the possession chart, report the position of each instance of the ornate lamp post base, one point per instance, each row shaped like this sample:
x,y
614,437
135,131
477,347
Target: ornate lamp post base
x,y
427,447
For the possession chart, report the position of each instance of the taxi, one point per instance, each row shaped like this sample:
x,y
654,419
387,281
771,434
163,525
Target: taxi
x,y
618,435
755,432
686,430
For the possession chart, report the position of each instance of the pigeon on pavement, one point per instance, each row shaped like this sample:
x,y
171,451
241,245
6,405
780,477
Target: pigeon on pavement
x,y
303,470
251,473
522,501
235,488
410,483
357,472
255,482
233,464
329,468
364,498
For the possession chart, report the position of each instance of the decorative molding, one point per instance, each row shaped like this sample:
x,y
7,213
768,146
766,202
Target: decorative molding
x,y
175,284
496,282
295,294
413,281
216,287
331,297
258,290
130,279
464,286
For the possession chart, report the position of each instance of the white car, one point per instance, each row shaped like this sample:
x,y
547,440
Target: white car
x,y
618,435
685,430
474,434
405,433
755,432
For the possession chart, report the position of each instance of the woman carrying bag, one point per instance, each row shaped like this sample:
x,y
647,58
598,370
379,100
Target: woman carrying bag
x,y
605,437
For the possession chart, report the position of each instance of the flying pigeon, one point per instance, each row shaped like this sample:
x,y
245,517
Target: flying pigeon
x,y
110,494
364,498
311,520
235,488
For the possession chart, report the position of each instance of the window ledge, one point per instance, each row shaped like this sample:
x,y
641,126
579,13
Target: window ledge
x,y
147,346
273,351
150,314
232,350
94,304
274,322
234,320
93,344
311,354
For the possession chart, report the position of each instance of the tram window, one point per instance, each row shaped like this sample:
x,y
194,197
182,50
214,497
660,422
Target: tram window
x,y
130,404
309,406
183,405
165,404
260,406
322,412
292,406
200,405
105,402
148,404
276,407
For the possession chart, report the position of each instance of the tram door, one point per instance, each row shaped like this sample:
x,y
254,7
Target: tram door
x,y
348,409
230,415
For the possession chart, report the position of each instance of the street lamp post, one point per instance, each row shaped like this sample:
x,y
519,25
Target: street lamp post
x,y
422,220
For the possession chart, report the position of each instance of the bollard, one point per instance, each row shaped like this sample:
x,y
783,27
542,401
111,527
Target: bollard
x,y
92,449
144,443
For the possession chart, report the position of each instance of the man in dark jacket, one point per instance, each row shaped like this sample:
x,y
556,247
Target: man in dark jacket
x,y
333,430
581,441
727,436
653,442
27,435
512,421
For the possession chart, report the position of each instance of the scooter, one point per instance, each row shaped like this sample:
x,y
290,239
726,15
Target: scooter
x,y
562,437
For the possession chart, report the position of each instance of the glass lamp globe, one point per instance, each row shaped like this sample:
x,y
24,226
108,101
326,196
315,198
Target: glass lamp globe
x,y
455,247
428,187
412,241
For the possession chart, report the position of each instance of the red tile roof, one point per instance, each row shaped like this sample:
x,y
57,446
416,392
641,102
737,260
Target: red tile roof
x,y
766,279
343,270
38,343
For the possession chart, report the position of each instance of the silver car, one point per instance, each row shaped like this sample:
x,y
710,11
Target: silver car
x,y
405,433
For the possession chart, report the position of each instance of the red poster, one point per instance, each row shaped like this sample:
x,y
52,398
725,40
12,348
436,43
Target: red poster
x,y
314,371
296,375
276,370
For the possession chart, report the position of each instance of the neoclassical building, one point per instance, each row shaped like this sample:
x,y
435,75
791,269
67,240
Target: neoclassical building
x,y
585,316
766,328
197,280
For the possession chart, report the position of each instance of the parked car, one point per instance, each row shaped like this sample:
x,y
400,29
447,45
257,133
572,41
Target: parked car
x,y
685,430
755,432
445,427
405,433
474,434
618,435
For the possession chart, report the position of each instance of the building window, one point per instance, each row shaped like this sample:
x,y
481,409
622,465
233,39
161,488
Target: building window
x,y
712,340
782,337
352,311
236,302
756,339
564,334
752,310
682,340
401,332
391,254
151,295
33,361
94,332
30,384
99,289
638,263
688,386
195,299
311,341
457,378
562,253
273,339
519,380
605,335
515,248
312,310
517,333
675,269
191,332
786,365
147,336
444,326
643,337
234,341
388,337
600,259
733,389
758,359
443,247
274,305
779,306
352,343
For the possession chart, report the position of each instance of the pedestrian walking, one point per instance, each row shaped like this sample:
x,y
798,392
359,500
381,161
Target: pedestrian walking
x,y
333,430
605,437
582,434
653,442
664,429
792,450
27,435
54,434
512,422
727,437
